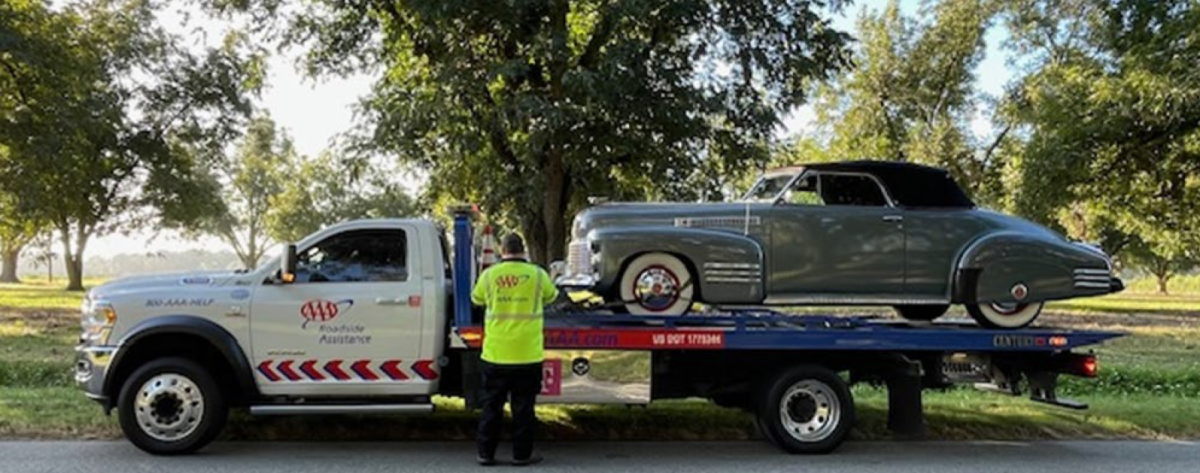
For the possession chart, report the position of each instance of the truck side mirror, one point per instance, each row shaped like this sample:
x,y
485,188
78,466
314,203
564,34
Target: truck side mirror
x,y
287,267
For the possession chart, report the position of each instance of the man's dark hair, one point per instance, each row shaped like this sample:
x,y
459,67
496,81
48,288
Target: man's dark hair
x,y
512,244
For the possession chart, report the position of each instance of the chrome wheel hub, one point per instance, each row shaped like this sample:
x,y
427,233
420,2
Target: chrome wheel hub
x,y
810,411
1007,308
656,288
169,407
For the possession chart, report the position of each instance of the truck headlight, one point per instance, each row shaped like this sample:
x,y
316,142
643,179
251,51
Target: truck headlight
x,y
98,316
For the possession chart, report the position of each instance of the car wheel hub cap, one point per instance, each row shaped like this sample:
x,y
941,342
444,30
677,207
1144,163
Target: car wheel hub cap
x,y
1007,308
169,407
810,411
656,288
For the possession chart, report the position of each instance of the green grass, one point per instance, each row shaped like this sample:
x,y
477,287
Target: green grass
x,y
1149,388
42,295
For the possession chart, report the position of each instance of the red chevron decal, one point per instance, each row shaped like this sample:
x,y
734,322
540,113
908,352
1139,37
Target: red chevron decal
x,y
286,368
363,371
392,369
334,368
308,370
265,369
424,369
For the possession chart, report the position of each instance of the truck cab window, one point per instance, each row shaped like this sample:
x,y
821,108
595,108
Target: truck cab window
x,y
355,256
851,189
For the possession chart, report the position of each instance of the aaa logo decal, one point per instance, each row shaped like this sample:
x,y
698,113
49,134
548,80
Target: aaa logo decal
x,y
510,280
322,310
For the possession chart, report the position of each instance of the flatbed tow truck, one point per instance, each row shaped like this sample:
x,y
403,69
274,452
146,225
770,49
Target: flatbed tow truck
x,y
792,372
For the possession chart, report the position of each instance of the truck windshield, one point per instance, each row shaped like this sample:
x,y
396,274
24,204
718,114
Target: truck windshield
x,y
768,188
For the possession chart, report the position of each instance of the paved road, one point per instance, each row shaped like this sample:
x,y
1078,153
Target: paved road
x,y
689,457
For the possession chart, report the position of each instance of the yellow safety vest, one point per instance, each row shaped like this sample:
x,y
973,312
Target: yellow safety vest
x,y
514,293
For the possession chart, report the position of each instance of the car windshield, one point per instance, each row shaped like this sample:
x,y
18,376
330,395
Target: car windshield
x,y
768,188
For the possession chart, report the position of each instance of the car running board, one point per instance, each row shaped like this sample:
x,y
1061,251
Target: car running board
x,y
321,409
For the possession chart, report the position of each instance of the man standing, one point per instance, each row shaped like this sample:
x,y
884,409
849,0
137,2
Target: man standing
x,y
514,292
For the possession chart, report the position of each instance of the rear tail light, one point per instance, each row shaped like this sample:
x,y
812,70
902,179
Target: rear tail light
x,y
1079,365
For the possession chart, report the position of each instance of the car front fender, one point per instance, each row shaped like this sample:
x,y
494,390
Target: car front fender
x,y
729,266
991,266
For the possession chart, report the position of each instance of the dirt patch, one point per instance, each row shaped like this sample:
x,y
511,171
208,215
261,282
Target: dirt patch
x,y
39,319
1115,321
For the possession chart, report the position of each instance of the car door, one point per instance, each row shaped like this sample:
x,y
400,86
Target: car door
x,y
351,321
835,235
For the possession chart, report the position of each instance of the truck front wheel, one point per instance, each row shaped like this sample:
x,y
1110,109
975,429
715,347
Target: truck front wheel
x,y
171,406
806,409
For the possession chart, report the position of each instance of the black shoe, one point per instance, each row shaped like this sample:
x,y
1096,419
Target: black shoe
x,y
532,460
485,461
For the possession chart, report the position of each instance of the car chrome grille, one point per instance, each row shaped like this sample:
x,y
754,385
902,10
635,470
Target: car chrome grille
x,y
732,273
1093,278
579,258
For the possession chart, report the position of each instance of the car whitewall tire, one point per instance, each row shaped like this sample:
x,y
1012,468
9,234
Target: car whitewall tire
x,y
656,284
1005,314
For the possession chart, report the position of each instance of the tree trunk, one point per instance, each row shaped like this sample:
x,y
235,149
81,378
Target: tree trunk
x,y
1162,279
73,260
8,269
74,272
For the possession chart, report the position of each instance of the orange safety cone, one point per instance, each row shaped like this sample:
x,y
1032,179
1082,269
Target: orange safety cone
x,y
487,248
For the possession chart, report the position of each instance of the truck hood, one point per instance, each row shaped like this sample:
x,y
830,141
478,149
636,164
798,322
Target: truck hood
x,y
183,279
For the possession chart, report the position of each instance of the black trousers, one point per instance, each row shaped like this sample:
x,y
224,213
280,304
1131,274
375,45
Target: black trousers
x,y
521,384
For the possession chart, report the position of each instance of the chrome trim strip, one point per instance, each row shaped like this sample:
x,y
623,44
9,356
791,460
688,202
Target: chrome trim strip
x,y
731,279
341,409
1092,285
727,222
852,299
732,266
1092,271
732,272
1093,278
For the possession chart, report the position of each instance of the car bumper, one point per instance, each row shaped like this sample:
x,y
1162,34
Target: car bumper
x,y
1116,285
91,367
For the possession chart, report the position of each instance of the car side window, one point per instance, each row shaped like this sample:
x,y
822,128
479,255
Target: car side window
x,y
355,256
805,191
851,189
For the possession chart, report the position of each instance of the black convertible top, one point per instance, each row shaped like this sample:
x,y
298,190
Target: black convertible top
x,y
910,185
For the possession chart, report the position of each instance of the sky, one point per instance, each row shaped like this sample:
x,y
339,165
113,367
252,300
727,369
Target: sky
x,y
314,112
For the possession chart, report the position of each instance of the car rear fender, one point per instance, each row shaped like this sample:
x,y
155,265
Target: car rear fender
x,y
991,266
729,266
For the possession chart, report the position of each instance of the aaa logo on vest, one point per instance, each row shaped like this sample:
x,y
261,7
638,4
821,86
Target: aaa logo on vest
x,y
508,281
322,310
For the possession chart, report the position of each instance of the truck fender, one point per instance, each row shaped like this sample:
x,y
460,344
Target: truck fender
x,y
215,335
991,266
729,266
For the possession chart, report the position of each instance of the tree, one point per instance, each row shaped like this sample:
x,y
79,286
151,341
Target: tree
x,y
17,229
95,99
529,107
1109,116
911,95
320,193
241,190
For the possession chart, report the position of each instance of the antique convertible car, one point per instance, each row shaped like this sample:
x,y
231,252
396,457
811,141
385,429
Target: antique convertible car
x,y
850,233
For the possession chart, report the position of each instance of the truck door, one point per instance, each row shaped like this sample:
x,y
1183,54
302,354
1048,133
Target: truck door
x,y
350,323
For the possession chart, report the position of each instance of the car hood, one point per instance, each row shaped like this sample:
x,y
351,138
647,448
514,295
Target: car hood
x,y
656,213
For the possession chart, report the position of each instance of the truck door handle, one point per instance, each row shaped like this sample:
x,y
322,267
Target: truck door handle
x,y
391,301
893,218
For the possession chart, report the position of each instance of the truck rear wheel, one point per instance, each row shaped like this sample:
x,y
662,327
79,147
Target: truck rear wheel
x,y
171,406
806,409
